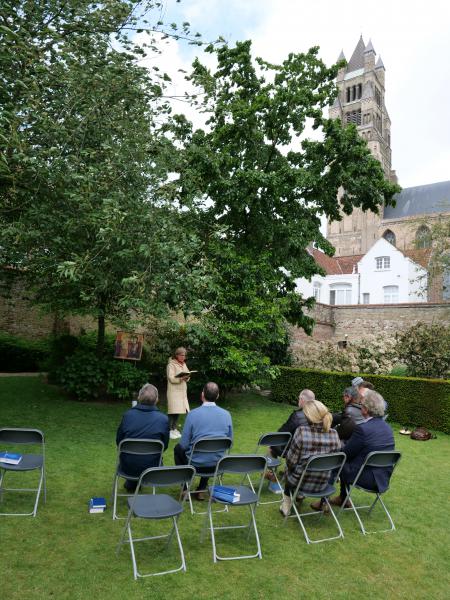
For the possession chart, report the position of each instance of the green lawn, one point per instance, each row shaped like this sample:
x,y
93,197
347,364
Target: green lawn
x,y
66,553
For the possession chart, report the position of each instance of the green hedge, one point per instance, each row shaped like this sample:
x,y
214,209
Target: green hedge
x,y
412,401
18,354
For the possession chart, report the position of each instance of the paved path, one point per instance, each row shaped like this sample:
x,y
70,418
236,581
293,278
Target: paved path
x,y
21,374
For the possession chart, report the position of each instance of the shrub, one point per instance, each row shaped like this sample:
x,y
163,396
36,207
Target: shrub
x,y
89,377
18,354
412,401
425,349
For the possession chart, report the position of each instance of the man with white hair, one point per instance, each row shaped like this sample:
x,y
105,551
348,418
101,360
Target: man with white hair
x,y
374,434
143,421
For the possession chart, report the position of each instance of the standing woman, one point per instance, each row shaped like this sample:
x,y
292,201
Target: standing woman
x,y
177,400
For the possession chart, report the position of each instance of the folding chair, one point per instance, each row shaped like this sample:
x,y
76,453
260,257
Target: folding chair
x,y
378,459
277,439
29,462
157,506
318,464
211,445
137,447
237,465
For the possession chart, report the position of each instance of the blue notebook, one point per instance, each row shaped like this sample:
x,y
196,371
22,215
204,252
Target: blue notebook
x,y
97,505
225,494
10,458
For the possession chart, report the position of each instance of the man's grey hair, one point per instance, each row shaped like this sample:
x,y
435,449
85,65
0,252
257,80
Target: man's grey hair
x,y
351,392
148,394
374,403
307,396
211,391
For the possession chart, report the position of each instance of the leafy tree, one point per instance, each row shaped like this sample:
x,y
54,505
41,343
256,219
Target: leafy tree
x,y
84,162
436,235
425,349
259,185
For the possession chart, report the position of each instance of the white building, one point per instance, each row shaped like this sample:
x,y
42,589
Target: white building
x,y
385,275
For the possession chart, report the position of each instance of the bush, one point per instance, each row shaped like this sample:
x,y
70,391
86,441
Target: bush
x,y
89,377
18,354
425,349
412,401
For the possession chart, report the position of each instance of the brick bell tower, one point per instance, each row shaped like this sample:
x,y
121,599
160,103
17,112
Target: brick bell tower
x,y
360,100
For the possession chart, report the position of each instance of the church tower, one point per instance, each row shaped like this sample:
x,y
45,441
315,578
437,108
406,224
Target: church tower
x,y
360,100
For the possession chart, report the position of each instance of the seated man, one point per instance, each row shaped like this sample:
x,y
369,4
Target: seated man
x,y
373,434
208,420
143,421
296,418
346,421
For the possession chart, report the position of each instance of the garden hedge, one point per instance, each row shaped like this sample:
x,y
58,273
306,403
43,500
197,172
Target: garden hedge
x,y
18,354
412,400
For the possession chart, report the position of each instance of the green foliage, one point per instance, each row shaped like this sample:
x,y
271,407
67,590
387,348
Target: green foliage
x,y
20,355
425,349
413,401
89,377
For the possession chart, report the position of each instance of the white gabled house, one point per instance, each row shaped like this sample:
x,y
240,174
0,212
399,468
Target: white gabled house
x,y
384,275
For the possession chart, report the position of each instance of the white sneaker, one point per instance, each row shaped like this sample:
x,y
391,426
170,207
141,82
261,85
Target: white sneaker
x,y
177,433
173,434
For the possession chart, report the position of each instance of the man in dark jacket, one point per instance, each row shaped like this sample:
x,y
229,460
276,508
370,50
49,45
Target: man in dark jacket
x,y
346,421
143,421
374,434
296,418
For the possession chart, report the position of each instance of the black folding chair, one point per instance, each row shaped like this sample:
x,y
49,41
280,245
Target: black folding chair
x,y
157,507
237,465
136,447
377,460
321,463
211,445
29,462
281,441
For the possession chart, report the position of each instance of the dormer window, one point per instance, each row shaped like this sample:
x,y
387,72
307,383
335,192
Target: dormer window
x,y
383,263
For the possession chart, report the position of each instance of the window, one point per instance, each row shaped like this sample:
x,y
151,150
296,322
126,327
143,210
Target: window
x,y
423,237
341,293
366,299
389,236
353,116
316,291
383,262
378,97
390,294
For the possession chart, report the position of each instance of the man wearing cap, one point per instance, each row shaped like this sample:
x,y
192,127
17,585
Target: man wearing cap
x,y
143,421
345,422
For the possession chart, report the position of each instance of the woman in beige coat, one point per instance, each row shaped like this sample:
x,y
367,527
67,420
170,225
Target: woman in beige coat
x,y
177,400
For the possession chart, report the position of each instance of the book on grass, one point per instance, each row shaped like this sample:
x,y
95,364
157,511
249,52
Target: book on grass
x,y
225,494
97,505
185,374
10,458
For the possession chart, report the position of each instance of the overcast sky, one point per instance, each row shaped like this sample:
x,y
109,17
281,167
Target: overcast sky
x,y
412,37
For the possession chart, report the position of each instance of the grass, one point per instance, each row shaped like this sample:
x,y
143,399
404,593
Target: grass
x,y
66,553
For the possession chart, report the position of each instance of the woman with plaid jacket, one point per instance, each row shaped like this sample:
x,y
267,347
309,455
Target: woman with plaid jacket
x,y
316,437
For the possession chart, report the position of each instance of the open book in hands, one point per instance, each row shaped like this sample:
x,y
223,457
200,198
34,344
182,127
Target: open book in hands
x,y
185,374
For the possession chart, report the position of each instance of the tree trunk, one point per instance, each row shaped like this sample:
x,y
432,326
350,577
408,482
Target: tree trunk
x,y
101,331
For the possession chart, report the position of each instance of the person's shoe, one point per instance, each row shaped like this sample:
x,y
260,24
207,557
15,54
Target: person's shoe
x,y
173,434
177,433
201,496
270,475
336,501
320,505
286,505
185,496
275,488
299,500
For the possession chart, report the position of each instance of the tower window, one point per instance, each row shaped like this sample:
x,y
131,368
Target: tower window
x,y
389,236
423,238
378,97
353,116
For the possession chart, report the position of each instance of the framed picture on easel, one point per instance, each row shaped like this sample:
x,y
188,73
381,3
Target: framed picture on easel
x,y
128,346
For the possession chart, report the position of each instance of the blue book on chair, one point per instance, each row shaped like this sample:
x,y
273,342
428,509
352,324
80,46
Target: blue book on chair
x,y
225,494
10,458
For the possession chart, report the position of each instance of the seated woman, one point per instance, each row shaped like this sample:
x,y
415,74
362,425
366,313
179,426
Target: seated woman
x,y
316,437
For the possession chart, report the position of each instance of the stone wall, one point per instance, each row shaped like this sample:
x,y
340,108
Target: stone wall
x,y
334,323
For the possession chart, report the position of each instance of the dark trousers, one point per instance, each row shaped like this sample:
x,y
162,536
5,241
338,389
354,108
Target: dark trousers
x,y
179,454
173,421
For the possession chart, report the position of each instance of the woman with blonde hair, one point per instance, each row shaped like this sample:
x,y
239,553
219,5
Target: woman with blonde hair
x,y
177,400
309,440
